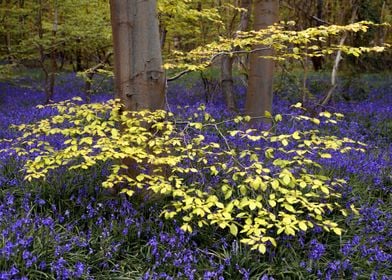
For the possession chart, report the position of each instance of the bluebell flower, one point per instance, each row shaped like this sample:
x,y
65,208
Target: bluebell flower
x,y
317,250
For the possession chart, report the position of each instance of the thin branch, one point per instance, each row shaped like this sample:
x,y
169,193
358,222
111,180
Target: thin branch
x,y
215,56
179,75
320,20
338,58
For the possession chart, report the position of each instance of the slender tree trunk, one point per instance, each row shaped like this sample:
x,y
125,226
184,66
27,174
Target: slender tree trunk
x,y
243,62
78,56
7,28
259,95
53,58
338,58
139,78
41,50
227,81
163,37
318,61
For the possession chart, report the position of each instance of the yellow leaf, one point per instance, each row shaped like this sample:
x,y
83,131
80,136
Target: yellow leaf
x,y
298,105
262,248
272,202
186,227
252,205
296,135
256,183
324,189
114,133
302,225
214,171
286,180
243,189
325,156
289,207
325,114
275,184
127,192
289,231
233,229
316,121
337,231
228,194
267,114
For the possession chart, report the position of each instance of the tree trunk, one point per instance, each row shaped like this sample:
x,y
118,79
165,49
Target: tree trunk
x,y
338,58
78,56
53,59
259,95
227,81
41,50
139,78
7,29
163,37
318,61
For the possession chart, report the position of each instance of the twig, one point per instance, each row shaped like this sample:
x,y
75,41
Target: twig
x,y
179,75
214,57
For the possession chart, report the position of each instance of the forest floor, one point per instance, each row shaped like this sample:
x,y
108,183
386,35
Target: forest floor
x,y
68,227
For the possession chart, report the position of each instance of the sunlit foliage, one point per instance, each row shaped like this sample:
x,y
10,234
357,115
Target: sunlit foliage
x,y
257,184
287,44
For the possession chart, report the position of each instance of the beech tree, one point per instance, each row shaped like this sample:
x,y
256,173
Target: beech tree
x,y
261,70
139,77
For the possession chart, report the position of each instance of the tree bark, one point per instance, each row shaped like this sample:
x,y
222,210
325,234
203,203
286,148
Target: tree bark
x,y
138,75
139,78
227,81
7,28
78,56
53,58
261,70
318,61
